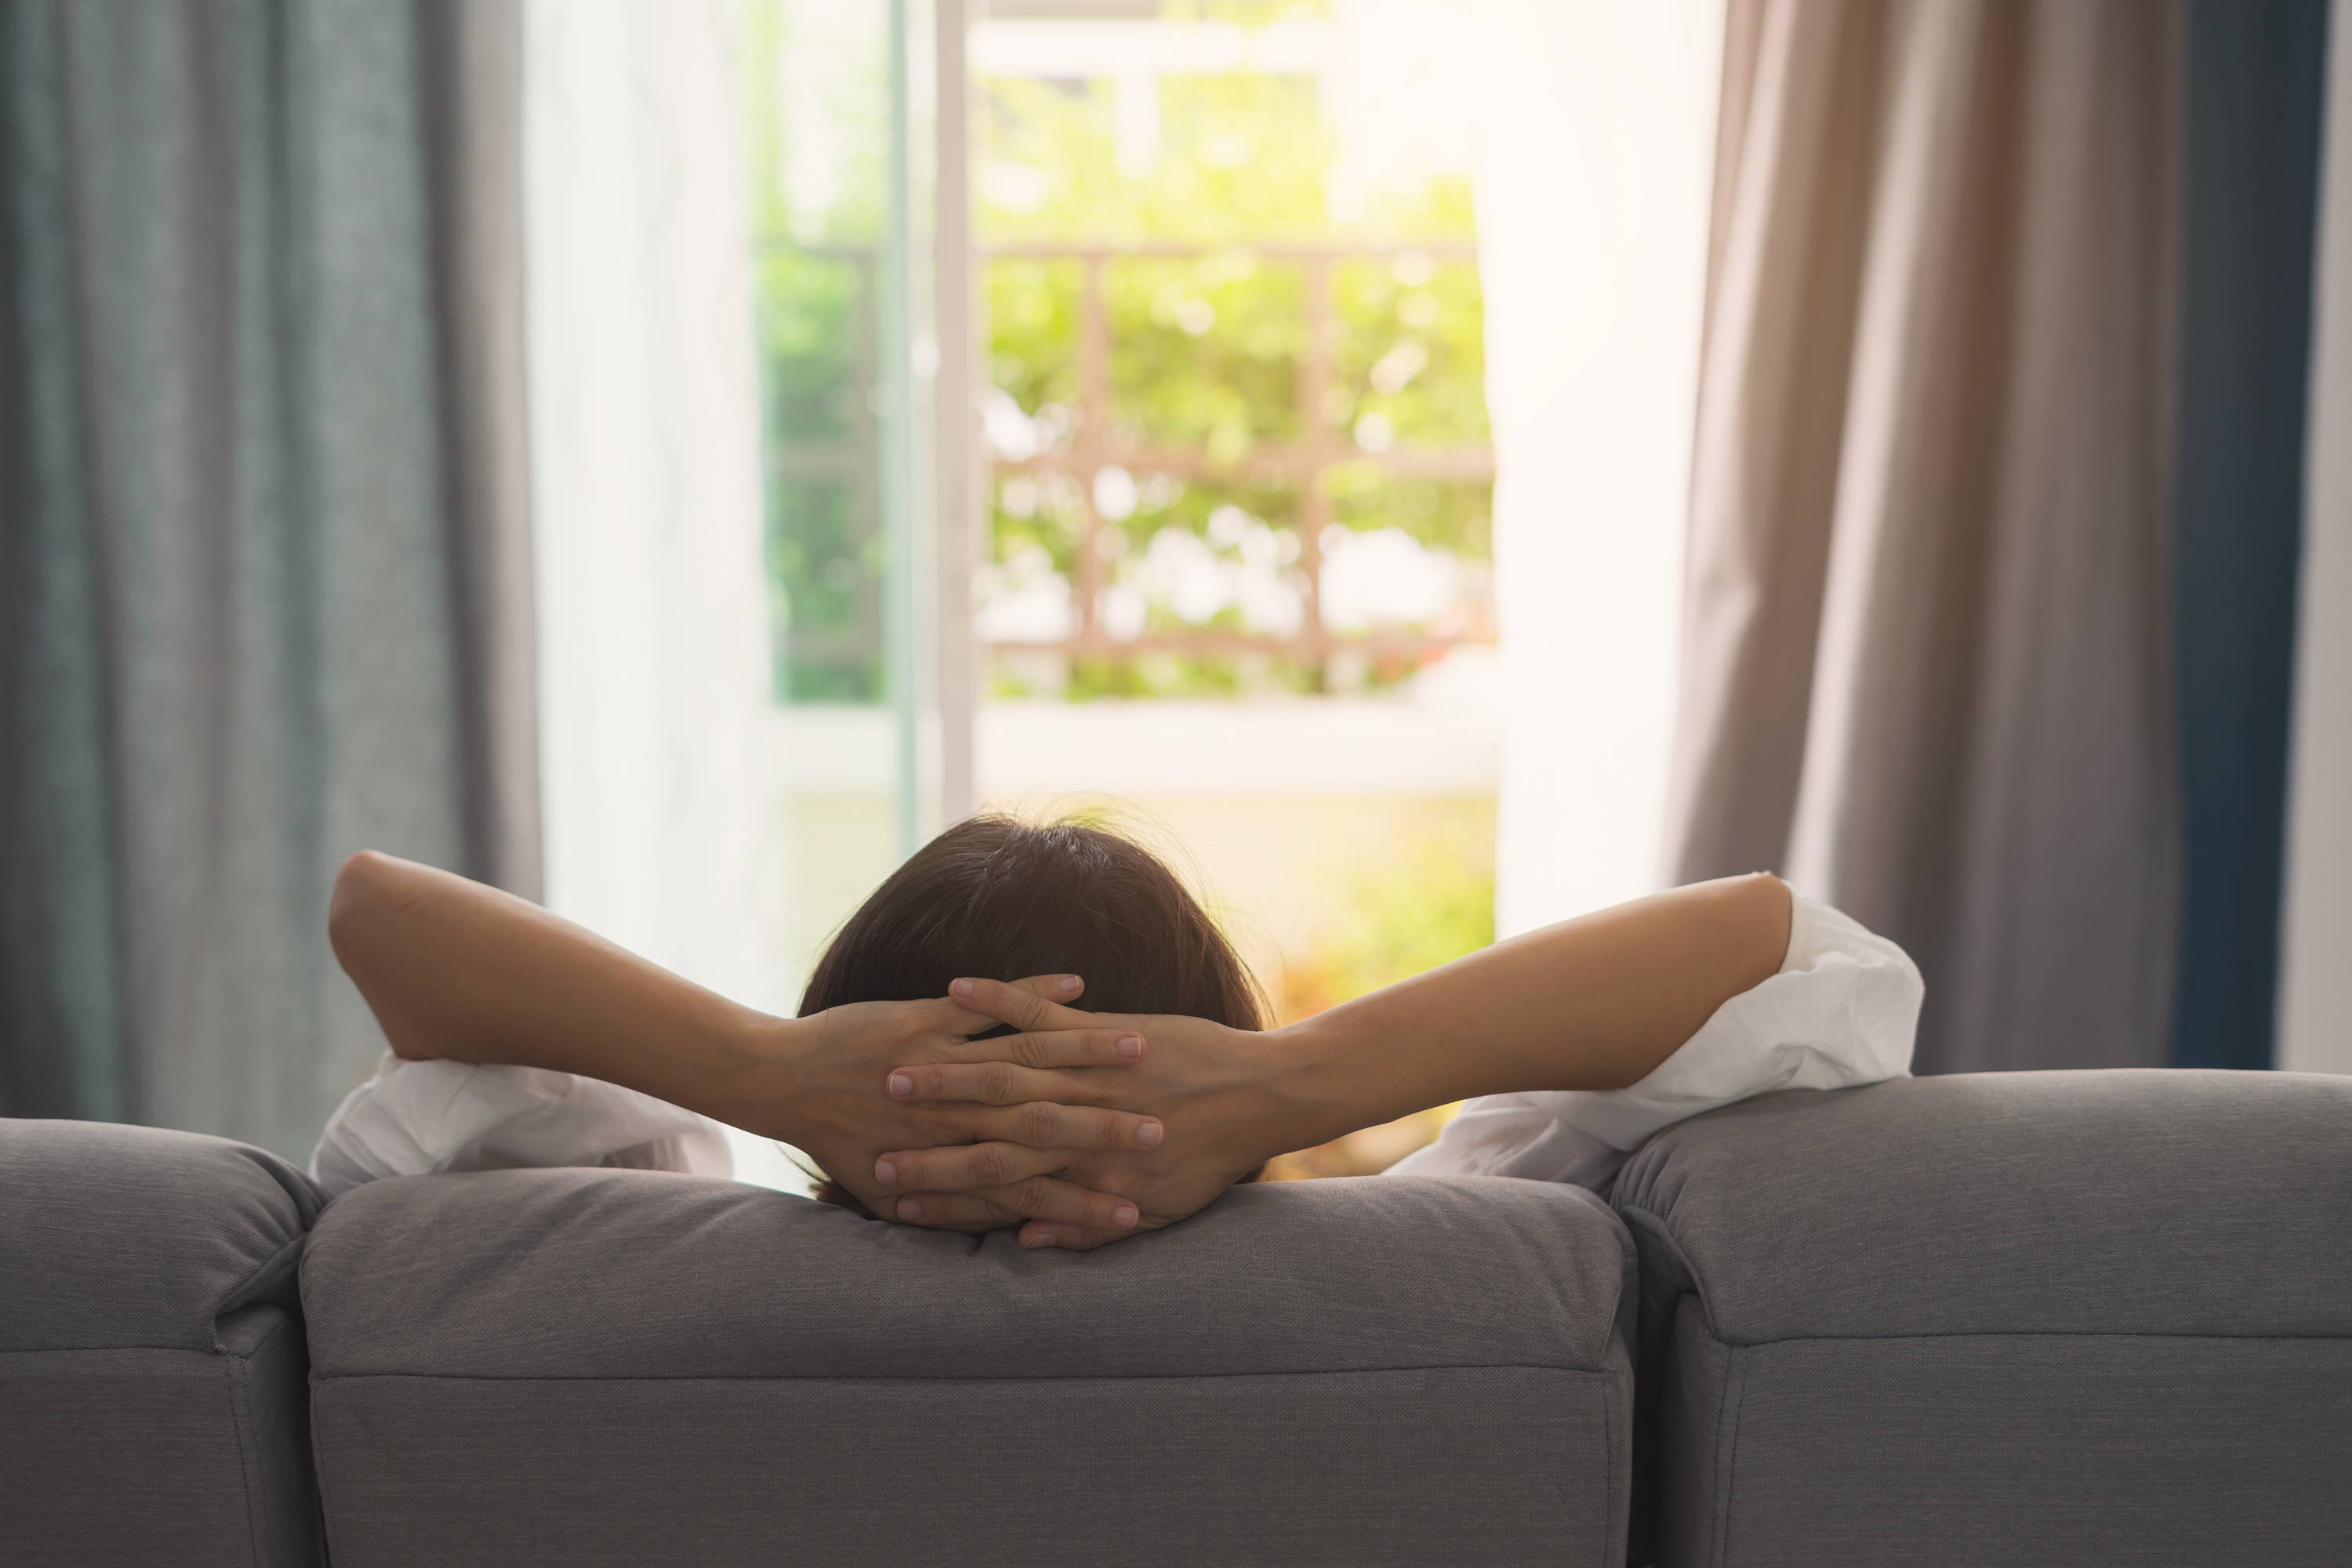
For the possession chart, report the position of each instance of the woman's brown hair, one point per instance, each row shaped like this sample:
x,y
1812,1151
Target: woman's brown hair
x,y
996,898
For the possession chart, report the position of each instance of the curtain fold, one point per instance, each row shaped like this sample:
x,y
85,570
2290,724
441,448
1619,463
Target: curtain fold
x,y
1597,121
664,791
1926,665
264,594
471,77
2255,93
664,805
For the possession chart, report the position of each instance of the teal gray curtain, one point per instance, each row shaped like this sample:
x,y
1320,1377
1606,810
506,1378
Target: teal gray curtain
x,y
1927,662
264,549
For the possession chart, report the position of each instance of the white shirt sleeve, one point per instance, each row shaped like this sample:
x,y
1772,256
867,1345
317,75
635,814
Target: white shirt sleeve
x,y
1842,1011
413,1118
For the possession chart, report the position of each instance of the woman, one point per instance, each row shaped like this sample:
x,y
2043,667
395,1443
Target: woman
x,y
1573,1043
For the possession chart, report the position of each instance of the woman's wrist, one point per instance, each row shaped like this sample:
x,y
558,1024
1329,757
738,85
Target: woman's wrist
x,y
1337,1077
1321,1088
760,1074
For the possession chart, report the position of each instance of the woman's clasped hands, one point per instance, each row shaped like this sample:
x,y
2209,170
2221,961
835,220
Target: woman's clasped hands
x,y
819,1083
1077,1144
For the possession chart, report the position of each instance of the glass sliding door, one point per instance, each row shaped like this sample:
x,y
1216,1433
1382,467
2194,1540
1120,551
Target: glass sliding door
x,y
837,99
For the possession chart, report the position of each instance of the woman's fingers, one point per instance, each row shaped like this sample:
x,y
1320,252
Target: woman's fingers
x,y
1042,1124
1071,1237
1042,1136
1054,987
996,1083
1014,1004
1057,1048
1036,1197
969,1167
1038,990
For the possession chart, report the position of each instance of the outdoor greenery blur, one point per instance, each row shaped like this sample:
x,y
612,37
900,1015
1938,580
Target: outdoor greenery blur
x,y
1217,433
1235,416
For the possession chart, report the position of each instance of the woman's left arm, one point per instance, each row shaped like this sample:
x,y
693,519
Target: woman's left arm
x,y
453,968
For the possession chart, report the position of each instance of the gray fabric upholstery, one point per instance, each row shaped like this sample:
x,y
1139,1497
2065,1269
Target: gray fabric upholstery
x,y
2052,1318
2023,1318
151,1358
592,1367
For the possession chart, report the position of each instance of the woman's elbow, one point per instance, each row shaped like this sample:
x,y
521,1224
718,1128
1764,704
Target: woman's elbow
x,y
1767,911
362,888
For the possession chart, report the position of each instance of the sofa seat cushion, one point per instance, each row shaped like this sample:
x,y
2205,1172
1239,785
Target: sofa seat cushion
x,y
592,1367
153,1406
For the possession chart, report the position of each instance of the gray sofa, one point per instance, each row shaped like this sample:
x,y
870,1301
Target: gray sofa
x,y
2060,1318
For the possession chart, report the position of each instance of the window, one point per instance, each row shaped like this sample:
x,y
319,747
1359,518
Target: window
x,y
1233,558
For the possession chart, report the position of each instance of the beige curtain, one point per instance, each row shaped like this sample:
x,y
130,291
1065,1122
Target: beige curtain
x,y
1926,651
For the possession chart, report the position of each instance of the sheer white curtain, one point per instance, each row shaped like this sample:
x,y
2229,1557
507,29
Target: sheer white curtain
x,y
2315,982
661,817
1592,198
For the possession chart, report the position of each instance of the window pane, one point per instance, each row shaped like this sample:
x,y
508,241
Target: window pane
x,y
827,567
814,349
828,125
824,553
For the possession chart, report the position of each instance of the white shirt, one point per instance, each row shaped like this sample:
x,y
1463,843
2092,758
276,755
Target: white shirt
x,y
1842,1011
413,1118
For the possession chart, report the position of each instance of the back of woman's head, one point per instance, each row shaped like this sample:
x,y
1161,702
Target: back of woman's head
x,y
996,899
1002,900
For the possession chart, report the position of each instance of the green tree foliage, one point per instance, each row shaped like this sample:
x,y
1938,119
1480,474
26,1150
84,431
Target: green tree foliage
x,y
1033,320
1411,352
812,267
1205,351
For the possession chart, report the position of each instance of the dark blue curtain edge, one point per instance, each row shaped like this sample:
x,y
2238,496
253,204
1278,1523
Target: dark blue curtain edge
x,y
2255,111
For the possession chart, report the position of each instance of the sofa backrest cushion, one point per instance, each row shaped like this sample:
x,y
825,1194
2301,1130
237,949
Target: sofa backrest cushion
x,y
613,1366
2030,1318
139,1235
2150,1202
646,1274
